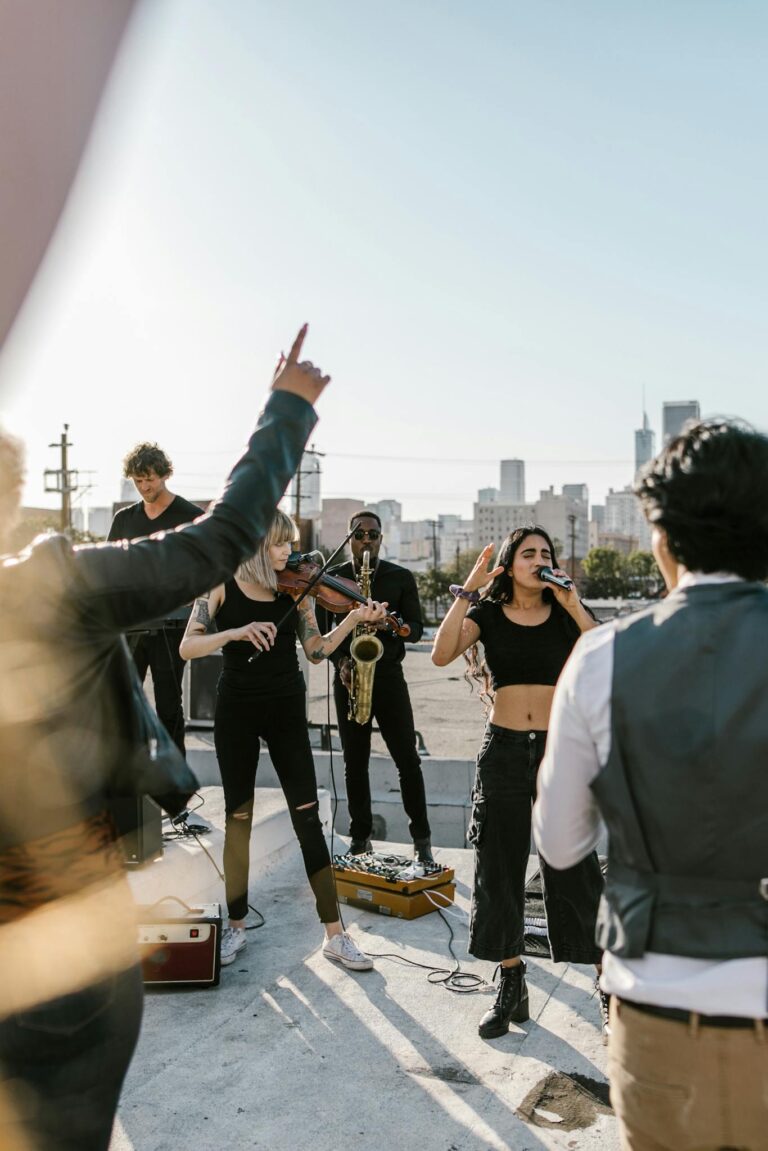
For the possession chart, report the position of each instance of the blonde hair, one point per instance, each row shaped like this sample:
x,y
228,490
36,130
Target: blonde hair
x,y
258,569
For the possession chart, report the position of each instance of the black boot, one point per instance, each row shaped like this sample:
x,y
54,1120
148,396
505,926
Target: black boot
x,y
511,1004
422,850
359,847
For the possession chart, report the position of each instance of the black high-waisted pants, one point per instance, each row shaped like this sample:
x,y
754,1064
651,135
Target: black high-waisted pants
x,y
500,830
281,721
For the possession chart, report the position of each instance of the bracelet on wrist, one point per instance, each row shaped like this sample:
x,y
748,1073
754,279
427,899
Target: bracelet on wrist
x,y
458,591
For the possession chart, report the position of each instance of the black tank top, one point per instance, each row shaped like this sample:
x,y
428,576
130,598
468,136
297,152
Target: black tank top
x,y
275,672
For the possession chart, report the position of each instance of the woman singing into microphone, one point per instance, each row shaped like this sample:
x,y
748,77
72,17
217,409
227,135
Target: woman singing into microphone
x,y
266,698
527,629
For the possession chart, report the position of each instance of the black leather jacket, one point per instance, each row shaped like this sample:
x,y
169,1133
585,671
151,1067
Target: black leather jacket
x,y
63,609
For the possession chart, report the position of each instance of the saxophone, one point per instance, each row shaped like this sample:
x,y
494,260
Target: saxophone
x,y
365,650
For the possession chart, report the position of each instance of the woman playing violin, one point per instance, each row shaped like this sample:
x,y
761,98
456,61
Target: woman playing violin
x,y
266,698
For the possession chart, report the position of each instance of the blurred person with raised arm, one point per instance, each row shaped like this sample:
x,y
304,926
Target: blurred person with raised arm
x,y
71,996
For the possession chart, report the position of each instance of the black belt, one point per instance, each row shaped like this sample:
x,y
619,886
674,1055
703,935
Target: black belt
x,y
680,1016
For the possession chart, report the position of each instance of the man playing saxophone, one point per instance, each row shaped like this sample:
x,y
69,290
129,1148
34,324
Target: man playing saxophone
x,y
383,681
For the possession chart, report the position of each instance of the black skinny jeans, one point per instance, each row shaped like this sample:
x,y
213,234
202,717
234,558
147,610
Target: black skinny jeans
x,y
159,651
68,1059
392,711
281,722
500,830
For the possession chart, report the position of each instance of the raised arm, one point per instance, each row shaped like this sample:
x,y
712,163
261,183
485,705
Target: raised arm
x,y
123,584
457,633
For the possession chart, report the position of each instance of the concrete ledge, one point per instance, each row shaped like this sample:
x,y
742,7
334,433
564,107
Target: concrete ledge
x,y
185,871
448,784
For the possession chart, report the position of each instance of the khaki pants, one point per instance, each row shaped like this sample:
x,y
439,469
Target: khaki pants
x,y
682,1087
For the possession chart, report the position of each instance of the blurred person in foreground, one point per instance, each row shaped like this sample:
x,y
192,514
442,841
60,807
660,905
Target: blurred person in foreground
x,y
71,995
660,726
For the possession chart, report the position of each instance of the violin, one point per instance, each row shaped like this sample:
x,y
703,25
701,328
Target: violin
x,y
337,594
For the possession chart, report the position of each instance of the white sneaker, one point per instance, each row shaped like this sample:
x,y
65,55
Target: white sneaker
x,y
233,939
342,949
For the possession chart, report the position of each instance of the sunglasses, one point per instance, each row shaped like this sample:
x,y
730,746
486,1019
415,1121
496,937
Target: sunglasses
x,y
361,534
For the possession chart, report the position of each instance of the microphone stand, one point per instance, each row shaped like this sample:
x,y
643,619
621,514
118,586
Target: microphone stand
x,y
315,579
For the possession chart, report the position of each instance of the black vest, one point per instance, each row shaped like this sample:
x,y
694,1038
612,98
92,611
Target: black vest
x,y
684,793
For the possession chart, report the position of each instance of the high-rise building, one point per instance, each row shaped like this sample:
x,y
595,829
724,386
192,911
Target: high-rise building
x,y
624,517
512,482
645,444
676,414
488,496
579,492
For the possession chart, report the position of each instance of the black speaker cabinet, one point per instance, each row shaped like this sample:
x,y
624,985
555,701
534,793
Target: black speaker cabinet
x,y
200,704
139,825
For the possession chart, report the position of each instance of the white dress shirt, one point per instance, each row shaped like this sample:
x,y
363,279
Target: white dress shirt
x,y
567,825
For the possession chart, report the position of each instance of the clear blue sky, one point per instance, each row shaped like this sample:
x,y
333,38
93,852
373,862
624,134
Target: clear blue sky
x,y
503,220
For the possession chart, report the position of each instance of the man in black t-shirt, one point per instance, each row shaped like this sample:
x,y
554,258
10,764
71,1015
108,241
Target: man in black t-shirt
x,y
391,705
158,510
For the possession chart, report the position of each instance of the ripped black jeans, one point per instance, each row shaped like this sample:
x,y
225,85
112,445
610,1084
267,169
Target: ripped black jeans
x,y
281,721
500,831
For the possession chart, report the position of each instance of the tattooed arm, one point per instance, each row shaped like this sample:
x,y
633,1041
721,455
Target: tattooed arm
x,y
198,639
319,647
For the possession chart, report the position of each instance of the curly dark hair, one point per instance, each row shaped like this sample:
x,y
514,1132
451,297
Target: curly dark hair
x,y
708,491
502,590
146,458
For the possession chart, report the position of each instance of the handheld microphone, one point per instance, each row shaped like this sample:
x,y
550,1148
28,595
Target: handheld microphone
x,y
546,575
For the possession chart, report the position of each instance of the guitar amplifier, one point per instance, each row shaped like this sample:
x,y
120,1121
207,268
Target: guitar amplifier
x,y
182,949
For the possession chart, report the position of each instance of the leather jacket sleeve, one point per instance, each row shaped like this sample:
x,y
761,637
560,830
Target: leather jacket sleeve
x,y
123,584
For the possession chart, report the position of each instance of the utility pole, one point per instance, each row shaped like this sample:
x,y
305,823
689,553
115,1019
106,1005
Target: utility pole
x,y
297,486
62,480
572,522
433,524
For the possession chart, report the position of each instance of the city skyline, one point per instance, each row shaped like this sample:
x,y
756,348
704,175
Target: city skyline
x,y
512,472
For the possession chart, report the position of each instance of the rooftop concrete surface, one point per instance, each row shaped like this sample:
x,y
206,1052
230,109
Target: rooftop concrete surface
x,y
292,1051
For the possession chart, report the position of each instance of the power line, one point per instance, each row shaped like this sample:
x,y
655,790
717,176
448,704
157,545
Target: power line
x,y
449,460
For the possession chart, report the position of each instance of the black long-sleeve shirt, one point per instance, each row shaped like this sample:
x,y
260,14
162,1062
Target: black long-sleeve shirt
x,y
395,586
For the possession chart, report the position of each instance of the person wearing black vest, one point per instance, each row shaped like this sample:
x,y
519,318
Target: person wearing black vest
x,y
159,510
391,706
660,726
266,698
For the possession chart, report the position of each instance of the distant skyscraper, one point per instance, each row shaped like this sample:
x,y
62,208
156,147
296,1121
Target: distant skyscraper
x,y
645,444
676,414
579,492
512,482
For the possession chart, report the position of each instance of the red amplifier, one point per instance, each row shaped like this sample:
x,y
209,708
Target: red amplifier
x,y
180,949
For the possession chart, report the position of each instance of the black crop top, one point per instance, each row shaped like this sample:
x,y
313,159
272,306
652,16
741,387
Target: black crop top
x,y
518,654
275,672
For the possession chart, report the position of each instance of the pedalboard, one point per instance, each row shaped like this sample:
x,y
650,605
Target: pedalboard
x,y
393,884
